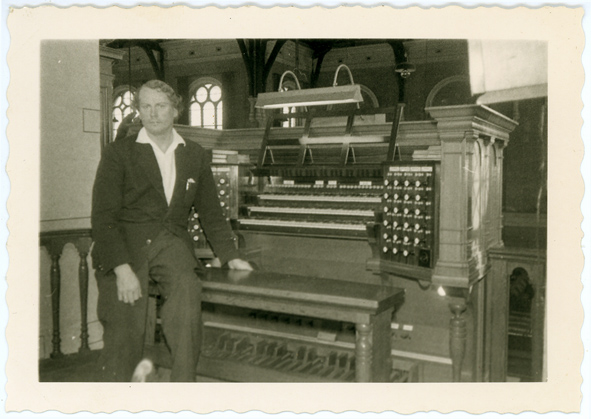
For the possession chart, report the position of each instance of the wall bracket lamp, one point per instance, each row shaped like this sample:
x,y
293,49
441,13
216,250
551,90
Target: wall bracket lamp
x,y
405,69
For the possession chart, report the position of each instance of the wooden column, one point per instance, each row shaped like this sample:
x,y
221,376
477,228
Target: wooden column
x,y
466,133
472,138
497,173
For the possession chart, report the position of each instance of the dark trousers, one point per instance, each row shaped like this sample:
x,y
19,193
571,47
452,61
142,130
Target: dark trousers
x,y
171,265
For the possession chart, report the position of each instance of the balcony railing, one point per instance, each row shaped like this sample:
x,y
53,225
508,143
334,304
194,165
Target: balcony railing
x,y
54,242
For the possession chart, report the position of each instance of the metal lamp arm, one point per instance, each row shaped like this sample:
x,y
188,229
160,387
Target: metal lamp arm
x,y
336,74
283,76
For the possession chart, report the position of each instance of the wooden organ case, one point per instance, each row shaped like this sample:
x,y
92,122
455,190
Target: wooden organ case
x,y
425,195
441,214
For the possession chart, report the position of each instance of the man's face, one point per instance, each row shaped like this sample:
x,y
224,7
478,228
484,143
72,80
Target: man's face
x,y
156,111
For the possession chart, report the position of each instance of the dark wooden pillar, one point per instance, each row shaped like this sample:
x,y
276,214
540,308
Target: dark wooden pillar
x,y
318,55
258,67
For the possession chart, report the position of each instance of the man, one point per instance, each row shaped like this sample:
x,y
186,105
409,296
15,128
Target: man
x,y
144,189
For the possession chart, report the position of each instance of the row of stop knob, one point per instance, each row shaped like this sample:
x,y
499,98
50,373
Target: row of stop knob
x,y
407,183
407,211
223,195
405,226
405,240
401,198
395,251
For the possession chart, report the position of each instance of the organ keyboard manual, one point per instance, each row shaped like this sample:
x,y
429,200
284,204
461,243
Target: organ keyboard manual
x,y
322,186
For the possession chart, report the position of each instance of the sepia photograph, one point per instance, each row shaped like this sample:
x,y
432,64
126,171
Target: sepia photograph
x,y
389,246
310,209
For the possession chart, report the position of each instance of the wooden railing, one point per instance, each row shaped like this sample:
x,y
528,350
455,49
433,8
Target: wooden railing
x,y
369,307
54,242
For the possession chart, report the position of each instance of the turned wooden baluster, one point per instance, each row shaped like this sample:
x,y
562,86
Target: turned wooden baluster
x,y
83,246
457,338
55,281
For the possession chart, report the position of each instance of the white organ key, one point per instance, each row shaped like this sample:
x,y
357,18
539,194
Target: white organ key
x,y
313,211
322,198
303,224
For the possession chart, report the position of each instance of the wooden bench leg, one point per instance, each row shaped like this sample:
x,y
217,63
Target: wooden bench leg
x,y
372,349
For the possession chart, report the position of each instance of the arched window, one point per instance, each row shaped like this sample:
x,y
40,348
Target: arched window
x,y
205,104
454,90
122,99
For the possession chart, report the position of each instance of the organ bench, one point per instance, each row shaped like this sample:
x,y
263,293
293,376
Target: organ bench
x,y
368,307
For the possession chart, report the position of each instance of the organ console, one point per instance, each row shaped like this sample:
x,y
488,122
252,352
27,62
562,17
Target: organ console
x,y
428,201
327,186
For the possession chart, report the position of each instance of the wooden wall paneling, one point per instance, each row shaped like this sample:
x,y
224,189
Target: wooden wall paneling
x,y
503,262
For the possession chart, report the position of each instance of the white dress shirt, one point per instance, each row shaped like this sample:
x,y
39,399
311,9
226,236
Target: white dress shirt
x,y
166,160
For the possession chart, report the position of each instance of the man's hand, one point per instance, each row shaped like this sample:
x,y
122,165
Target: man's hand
x,y
128,286
239,264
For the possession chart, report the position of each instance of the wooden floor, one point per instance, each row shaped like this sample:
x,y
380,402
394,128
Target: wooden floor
x,y
69,368
82,368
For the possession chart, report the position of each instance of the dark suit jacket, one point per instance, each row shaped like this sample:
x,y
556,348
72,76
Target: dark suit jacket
x,y
129,206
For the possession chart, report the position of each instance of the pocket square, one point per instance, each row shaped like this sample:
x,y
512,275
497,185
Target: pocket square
x,y
189,182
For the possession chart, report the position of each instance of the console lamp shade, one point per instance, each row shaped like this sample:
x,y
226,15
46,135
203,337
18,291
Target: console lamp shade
x,y
321,96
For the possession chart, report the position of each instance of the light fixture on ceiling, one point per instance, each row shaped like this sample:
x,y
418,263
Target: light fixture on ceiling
x,y
320,96
405,69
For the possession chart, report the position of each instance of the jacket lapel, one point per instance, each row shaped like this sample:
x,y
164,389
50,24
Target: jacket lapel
x,y
182,163
147,161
